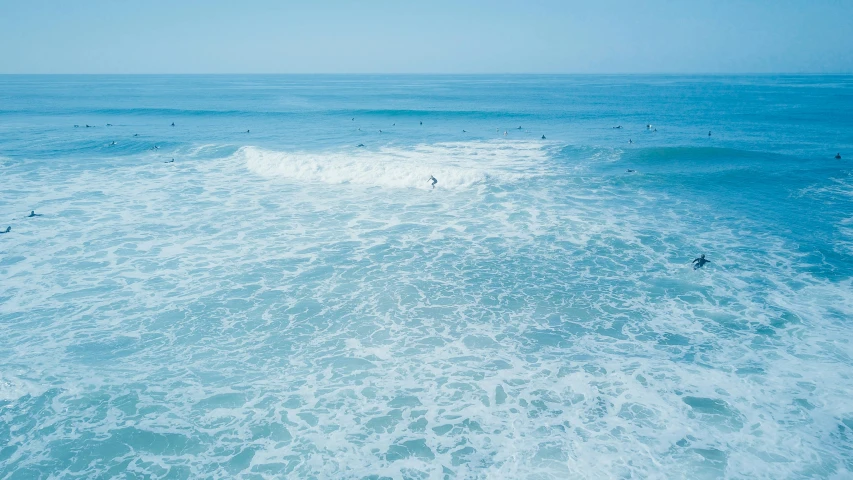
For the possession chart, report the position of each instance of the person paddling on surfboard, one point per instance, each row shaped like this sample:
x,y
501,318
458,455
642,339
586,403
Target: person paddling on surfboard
x,y
700,262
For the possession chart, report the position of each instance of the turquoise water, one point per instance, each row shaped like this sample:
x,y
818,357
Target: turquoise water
x,y
283,303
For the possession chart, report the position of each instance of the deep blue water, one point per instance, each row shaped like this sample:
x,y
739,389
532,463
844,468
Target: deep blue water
x,y
279,302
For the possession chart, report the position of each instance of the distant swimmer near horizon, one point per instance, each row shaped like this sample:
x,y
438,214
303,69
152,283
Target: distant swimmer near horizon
x,y
618,126
135,134
33,214
630,141
543,137
360,145
170,161
8,229
173,124
631,171
422,123
838,156
700,262
247,131
519,127
709,133
432,180
109,124
113,143
463,131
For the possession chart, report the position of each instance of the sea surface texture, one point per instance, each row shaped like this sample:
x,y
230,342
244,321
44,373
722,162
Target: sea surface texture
x,y
280,302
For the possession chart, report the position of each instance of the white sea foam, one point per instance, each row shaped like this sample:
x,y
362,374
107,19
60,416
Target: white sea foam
x,y
212,321
456,165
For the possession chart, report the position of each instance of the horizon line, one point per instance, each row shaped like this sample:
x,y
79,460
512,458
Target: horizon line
x,y
708,74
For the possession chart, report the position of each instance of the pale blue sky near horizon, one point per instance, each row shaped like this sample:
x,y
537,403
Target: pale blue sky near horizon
x,y
439,36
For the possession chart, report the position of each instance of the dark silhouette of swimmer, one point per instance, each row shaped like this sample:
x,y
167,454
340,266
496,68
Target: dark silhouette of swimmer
x,y
8,229
76,126
519,127
173,124
360,145
247,131
393,124
543,137
630,141
170,161
422,123
432,181
353,119
109,124
33,214
838,156
463,131
135,134
709,133
700,262
113,143
380,131
631,171
618,126
88,126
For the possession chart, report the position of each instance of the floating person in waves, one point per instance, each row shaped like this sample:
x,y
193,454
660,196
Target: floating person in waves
x,y
170,161
543,137
631,171
360,145
33,214
135,134
709,133
838,156
113,144
247,131
173,124
422,123
8,229
700,262
432,181
630,141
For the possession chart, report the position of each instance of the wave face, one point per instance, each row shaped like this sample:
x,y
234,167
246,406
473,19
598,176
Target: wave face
x,y
458,165
278,303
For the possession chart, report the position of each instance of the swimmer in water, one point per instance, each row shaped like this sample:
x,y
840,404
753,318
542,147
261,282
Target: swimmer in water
x,y
838,156
380,131
109,124
135,134
432,181
33,214
8,229
709,133
360,145
519,127
505,133
113,143
700,262
630,141
543,137
421,123
247,131
170,161
631,171
173,124
76,126
463,131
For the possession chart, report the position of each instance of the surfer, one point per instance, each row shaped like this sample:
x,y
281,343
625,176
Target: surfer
x,y
135,134
170,161
700,262
505,133
8,229
543,137
76,126
618,126
631,171
838,156
109,124
113,143
247,131
709,133
360,145
173,124
432,180
33,214
519,127
463,131
630,141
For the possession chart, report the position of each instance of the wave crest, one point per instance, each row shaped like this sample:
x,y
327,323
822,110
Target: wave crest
x,y
456,165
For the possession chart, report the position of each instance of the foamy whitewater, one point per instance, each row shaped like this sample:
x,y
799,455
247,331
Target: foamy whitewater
x,y
281,303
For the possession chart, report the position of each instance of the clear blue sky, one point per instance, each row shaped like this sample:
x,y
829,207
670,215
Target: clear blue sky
x,y
426,36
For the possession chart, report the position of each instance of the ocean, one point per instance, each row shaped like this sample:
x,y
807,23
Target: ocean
x,y
280,302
